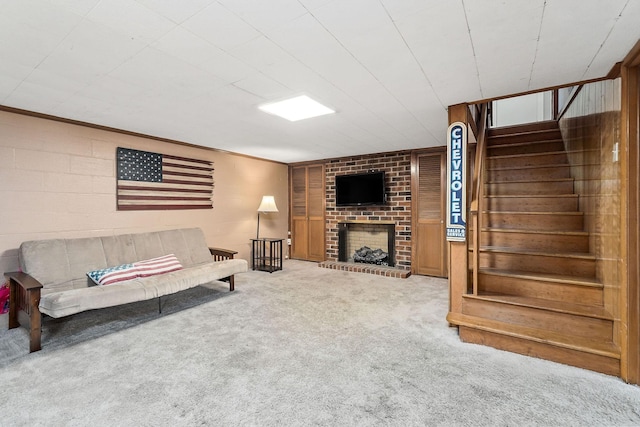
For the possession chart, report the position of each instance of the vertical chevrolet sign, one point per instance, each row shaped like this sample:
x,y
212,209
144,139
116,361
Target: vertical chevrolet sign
x,y
456,182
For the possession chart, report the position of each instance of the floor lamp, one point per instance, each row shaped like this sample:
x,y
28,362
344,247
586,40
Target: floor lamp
x,y
267,205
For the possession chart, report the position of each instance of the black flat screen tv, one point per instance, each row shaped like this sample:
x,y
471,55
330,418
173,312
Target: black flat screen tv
x,y
362,189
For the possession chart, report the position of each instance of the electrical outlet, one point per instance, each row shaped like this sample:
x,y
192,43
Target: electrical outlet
x,y
289,242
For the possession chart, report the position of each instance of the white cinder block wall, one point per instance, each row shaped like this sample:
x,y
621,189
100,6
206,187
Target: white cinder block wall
x,y
59,180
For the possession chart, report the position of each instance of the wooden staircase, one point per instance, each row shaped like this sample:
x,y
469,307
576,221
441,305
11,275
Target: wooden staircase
x,y
537,292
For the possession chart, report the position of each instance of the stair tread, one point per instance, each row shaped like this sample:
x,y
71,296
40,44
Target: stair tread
x,y
514,131
533,195
517,168
511,156
530,196
558,278
529,231
577,255
526,181
539,125
517,143
567,213
607,349
593,311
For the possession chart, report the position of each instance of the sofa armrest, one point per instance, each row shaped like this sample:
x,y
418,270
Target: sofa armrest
x,y
25,281
24,296
220,254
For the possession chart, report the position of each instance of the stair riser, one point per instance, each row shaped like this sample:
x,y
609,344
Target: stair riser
x,y
527,137
539,289
533,147
581,359
531,204
563,323
538,222
559,158
528,127
529,174
538,242
575,267
516,188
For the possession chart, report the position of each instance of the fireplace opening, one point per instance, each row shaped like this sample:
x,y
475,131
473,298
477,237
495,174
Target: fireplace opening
x,y
370,243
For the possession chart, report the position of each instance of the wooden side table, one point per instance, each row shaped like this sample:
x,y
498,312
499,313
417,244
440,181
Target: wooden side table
x,y
266,254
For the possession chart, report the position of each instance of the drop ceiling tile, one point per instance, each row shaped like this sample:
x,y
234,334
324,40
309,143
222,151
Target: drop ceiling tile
x,y
263,87
161,74
311,5
81,7
618,42
114,91
7,86
375,42
400,9
55,82
89,52
221,27
261,53
186,46
504,38
34,28
453,75
309,42
14,70
37,97
265,15
389,67
575,41
312,45
225,67
177,11
129,18
347,19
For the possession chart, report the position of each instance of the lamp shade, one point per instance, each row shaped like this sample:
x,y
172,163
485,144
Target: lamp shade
x,y
268,204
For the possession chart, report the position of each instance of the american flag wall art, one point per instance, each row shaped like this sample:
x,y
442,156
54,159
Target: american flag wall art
x,y
152,181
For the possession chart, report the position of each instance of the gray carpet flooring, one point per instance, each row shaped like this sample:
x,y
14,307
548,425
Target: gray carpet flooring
x,y
300,347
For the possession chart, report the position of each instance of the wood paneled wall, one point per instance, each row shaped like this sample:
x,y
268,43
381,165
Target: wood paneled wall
x,y
590,129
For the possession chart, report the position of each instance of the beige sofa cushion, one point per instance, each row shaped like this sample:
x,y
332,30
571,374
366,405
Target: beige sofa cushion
x,y
62,264
65,303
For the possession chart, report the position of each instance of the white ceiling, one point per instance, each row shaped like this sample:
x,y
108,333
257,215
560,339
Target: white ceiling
x,y
196,70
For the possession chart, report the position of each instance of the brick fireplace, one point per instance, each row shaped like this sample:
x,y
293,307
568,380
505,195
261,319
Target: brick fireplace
x,y
396,212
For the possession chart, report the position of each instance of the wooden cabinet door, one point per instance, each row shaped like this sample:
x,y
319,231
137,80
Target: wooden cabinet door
x,y
307,213
299,241
315,211
428,242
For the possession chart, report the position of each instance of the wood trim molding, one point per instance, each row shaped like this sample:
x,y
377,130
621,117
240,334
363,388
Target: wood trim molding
x,y
337,159
630,167
633,57
614,72
630,132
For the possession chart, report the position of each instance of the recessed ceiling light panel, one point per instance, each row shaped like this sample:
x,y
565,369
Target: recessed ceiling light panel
x,y
298,108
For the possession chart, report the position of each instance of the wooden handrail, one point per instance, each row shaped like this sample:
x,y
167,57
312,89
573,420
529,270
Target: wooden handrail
x,y
481,149
477,192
